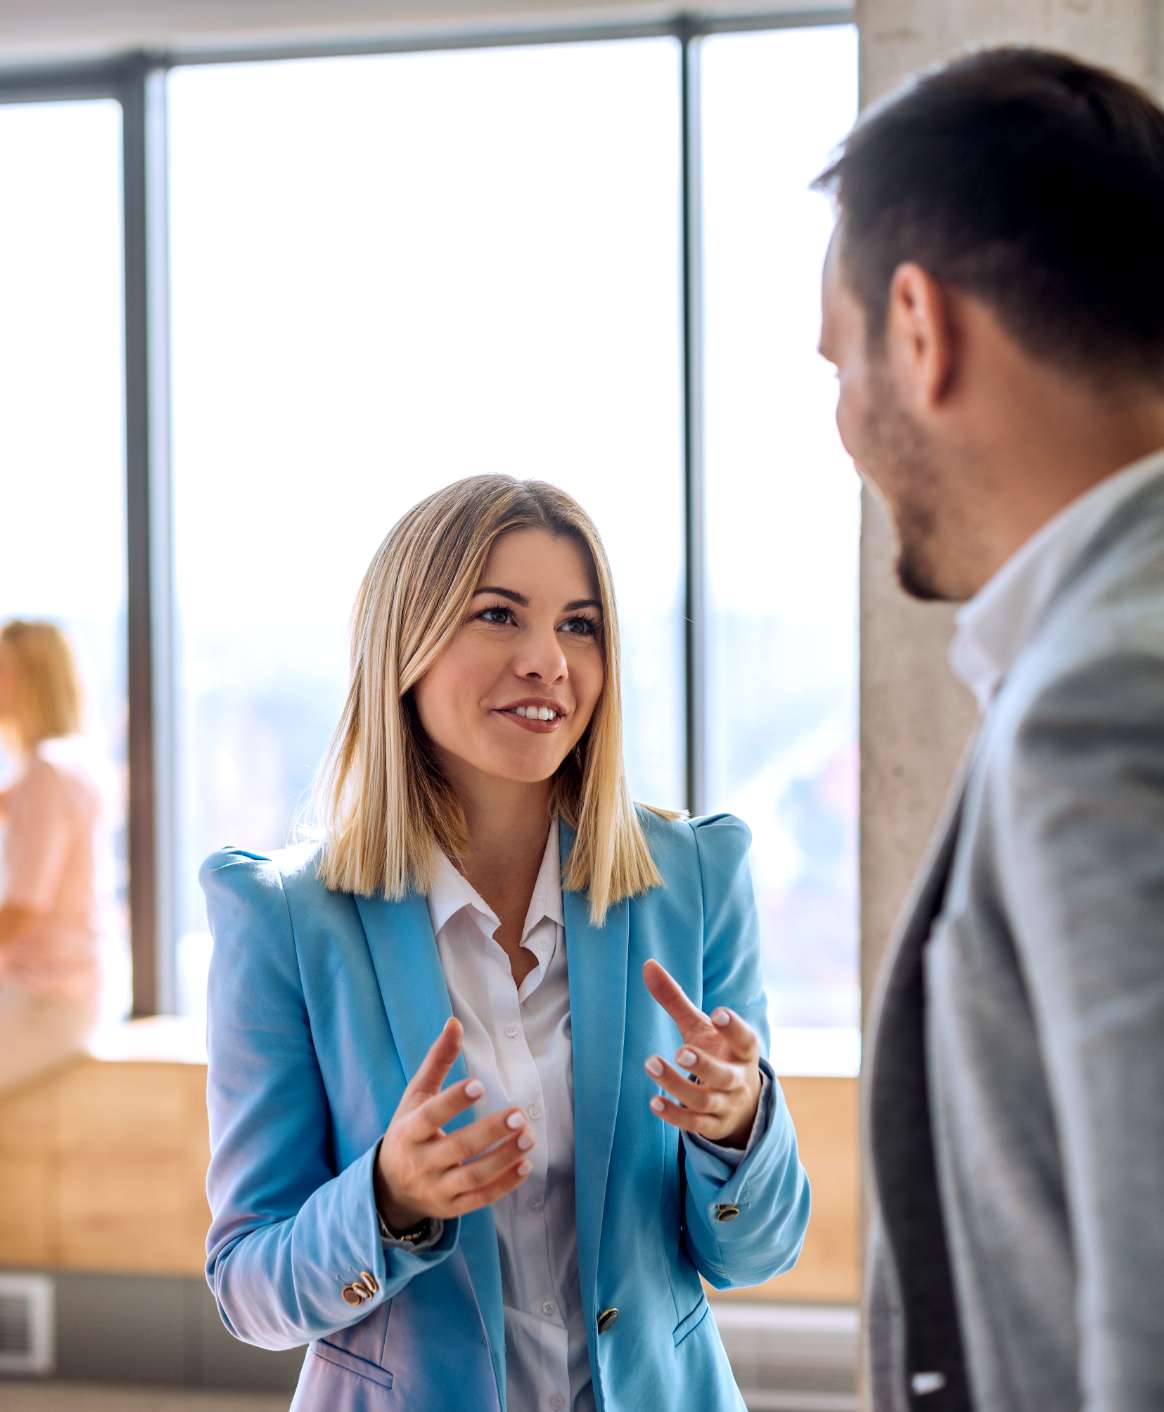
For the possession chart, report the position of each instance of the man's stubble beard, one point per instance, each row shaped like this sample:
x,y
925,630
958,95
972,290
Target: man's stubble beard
x,y
895,440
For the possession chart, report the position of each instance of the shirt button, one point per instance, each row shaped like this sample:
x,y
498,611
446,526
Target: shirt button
x,y
537,1203
511,1031
548,1308
557,1402
535,1111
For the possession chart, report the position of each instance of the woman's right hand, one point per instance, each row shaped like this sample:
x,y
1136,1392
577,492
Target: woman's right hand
x,y
423,1171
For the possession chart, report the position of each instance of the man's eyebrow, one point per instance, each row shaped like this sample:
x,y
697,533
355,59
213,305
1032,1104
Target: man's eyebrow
x,y
523,601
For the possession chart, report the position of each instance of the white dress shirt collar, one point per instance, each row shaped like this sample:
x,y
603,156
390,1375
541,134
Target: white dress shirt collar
x,y
451,891
998,622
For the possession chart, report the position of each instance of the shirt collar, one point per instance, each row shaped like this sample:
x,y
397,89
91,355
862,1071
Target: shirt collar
x,y
451,892
998,622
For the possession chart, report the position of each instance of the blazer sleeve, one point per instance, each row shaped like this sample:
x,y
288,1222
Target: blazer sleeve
x,y
769,1188
288,1231
1080,802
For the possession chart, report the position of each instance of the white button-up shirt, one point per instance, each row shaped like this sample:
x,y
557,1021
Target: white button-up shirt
x,y
517,1043
998,622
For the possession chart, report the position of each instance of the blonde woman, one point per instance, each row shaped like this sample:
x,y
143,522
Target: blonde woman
x,y
440,1153
51,816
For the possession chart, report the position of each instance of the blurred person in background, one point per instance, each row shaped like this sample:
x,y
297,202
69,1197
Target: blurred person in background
x,y
490,908
50,822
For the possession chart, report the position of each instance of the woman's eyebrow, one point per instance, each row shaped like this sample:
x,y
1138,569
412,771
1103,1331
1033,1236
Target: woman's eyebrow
x,y
509,593
523,601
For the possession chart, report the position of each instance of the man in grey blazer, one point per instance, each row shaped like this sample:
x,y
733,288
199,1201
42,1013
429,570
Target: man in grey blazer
x,y
994,306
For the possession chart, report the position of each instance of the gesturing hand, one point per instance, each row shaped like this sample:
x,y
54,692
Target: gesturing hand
x,y
722,1052
423,1171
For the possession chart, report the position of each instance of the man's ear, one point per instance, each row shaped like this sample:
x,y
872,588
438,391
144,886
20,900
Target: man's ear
x,y
920,338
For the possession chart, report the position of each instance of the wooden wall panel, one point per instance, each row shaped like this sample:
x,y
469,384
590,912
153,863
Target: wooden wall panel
x,y
102,1167
825,1112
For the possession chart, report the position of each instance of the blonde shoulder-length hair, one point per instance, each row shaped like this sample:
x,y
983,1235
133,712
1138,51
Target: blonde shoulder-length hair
x,y
381,798
46,687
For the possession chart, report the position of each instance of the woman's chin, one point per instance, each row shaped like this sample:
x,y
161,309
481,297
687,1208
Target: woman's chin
x,y
521,771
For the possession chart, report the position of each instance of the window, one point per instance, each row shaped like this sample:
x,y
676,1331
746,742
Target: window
x,y
782,522
61,442
388,273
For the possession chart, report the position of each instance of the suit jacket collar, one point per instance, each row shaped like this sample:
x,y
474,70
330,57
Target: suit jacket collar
x,y
1006,615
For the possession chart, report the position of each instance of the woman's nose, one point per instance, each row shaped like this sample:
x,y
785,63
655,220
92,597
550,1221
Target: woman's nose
x,y
541,656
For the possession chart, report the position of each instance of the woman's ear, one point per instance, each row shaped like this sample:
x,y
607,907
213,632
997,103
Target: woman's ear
x,y
920,338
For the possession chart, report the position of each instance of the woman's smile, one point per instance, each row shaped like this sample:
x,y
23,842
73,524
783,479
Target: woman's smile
x,y
537,714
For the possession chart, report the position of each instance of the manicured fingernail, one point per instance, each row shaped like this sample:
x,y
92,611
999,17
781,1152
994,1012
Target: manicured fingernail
x,y
525,1142
515,1121
654,1067
686,1057
474,1088
721,1018
656,1105
524,1169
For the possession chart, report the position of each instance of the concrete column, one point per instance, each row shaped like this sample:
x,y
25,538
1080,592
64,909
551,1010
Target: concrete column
x,y
915,717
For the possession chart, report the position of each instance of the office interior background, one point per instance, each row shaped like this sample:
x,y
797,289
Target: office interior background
x,y
271,272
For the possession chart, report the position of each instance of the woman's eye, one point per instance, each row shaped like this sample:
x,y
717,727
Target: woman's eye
x,y
581,627
505,613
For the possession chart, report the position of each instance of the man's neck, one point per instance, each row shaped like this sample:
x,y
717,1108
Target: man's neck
x,y
1058,456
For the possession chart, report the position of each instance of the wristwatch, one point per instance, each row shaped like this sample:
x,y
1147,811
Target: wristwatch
x,y
414,1235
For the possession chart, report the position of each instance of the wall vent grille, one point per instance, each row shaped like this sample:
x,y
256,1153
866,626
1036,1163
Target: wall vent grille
x,y
26,1324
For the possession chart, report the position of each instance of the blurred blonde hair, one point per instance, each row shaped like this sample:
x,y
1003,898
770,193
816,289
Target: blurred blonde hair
x,y
381,797
46,687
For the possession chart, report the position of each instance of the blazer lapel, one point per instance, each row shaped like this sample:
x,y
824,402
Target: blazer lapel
x,y
416,1003
911,1253
597,961
925,898
412,984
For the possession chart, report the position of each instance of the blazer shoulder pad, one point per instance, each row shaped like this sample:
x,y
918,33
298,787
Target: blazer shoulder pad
x,y
722,831
230,865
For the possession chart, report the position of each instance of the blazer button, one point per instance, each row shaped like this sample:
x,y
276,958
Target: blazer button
x,y
606,1319
371,1284
353,1294
727,1211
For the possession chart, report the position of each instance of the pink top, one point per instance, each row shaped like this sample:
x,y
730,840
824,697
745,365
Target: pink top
x,y
50,817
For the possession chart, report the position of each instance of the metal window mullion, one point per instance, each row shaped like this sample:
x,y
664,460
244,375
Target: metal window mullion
x,y
148,532
695,577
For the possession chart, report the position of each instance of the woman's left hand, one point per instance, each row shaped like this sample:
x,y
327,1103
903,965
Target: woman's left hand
x,y
722,1051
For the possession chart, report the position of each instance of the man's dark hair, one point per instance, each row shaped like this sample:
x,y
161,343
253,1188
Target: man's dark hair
x,y
1032,181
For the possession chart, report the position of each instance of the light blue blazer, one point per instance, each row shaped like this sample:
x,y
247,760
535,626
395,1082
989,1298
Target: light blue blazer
x,y
322,1005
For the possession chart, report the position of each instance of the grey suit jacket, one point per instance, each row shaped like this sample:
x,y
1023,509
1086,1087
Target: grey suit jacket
x,y
1014,1089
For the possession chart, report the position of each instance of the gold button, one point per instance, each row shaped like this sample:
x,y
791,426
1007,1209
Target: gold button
x,y
353,1294
606,1319
370,1282
728,1211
